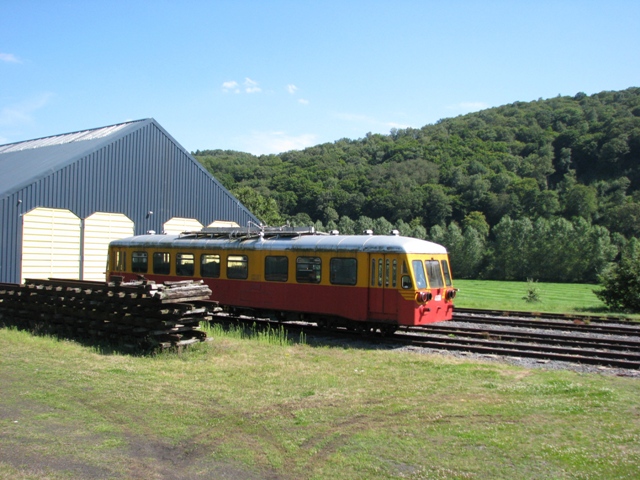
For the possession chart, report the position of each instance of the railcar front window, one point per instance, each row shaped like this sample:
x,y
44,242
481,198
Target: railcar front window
x,y
308,269
139,262
237,267
185,264
161,263
418,273
210,265
344,271
434,273
276,269
447,273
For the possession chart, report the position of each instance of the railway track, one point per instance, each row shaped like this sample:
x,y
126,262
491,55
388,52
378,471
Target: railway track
x,y
547,316
606,341
585,347
608,353
551,323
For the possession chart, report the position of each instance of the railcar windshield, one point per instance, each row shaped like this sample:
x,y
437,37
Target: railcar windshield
x,y
447,273
418,271
434,274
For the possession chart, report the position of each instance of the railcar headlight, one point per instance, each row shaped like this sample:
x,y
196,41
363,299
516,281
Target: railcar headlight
x,y
423,297
451,294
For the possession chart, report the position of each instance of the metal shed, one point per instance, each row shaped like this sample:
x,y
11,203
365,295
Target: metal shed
x,y
116,181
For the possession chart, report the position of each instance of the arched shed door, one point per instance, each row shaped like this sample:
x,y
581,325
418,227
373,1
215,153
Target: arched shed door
x,y
50,244
100,229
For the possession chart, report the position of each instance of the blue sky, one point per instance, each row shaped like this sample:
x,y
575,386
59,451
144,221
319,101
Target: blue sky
x,y
272,76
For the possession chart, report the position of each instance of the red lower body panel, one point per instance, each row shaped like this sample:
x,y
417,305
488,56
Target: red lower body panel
x,y
352,303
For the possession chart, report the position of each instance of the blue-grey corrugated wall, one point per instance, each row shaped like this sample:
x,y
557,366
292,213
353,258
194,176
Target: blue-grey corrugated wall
x,y
144,170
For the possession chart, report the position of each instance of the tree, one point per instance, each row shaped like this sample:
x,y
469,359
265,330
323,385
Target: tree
x,y
266,209
621,284
478,221
580,201
466,250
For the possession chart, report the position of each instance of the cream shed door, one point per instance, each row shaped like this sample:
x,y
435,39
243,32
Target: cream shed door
x,y
100,229
50,244
178,225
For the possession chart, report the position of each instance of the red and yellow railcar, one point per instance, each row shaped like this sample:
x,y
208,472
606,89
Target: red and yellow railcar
x,y
358,281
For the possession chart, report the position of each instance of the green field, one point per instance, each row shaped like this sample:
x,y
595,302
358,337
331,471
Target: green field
x,y
554,297
262,406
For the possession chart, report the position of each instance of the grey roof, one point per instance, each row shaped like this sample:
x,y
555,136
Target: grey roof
x,y
361,243
23,163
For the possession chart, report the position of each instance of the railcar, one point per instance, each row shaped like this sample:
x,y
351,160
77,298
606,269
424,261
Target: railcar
x,y
363,282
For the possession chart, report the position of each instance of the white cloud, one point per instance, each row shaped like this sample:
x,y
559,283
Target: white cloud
x,y
21,113
231,86
292,89
251,86
303,101
259,143
9,58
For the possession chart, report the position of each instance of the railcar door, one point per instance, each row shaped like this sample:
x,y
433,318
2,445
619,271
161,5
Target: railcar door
x,y
383,286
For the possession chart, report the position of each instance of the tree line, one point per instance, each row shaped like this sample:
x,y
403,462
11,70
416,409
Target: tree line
x,y
548,189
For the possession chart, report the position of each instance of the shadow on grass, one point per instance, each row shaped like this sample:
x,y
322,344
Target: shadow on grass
x,y
282,334
101,346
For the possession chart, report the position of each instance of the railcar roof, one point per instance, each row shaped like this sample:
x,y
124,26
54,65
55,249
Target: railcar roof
x,y
362,243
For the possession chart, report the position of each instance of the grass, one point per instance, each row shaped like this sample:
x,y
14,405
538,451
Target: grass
x,y
251,405
554,297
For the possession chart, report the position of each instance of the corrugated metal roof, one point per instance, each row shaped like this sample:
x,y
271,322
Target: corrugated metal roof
x,y
84,135
24,162
130,168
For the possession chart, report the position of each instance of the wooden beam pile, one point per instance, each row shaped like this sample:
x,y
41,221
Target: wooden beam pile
x,y
139,314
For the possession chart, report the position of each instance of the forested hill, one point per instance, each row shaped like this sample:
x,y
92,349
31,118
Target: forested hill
x,y
575,159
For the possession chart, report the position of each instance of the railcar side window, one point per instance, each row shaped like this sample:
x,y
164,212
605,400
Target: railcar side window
x,y
447,273
343,271
418,272
276,269
139,262
237,266
380,272
434,273
387,272
161,263
185,264
121,261
210,265
394,274
308,269
373,272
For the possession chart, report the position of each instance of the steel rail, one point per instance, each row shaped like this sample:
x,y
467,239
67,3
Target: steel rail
x,y
537,337
546,315
631,330
592,357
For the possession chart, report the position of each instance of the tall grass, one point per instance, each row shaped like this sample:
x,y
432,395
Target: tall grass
x,y
268,336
